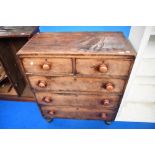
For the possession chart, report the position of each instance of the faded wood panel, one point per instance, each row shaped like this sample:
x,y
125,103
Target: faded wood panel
x,y
17,31
12,38
118,67
78,100
79,95
77,113
11,68
56,65
7,89
76,84
108,43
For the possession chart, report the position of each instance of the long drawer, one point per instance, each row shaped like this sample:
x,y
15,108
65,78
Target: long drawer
x,y
115,67
78,100
69,83
77,113
47,65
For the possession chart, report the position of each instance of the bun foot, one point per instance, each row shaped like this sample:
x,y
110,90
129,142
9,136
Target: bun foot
x,y
48,119
108,122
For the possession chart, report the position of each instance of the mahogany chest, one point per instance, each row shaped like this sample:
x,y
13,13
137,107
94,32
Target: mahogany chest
x,y
78,75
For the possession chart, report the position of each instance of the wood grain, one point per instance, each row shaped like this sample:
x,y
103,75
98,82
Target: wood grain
x,y
17,31
57,65
12,38
81,43
77,84
79,100
77,113
10,64
84,75
116,67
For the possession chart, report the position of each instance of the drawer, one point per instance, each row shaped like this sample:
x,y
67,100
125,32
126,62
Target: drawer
x,y
77,84
47,66
115,67
78,100
77,113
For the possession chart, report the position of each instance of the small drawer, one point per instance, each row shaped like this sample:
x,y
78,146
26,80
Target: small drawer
x,y
77,84
77,113
115,67
47,66
80,100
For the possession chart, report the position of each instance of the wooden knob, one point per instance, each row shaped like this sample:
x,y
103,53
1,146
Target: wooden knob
x,y
52,112
42,84
103,68
103,115
106,102
47,99
46,66
109,87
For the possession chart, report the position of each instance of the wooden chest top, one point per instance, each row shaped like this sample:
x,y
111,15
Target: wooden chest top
x,y
79,43
17,31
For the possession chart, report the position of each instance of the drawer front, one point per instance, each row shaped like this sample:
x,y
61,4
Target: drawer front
x,y
77,84
47,66
103,67
77,113
78,100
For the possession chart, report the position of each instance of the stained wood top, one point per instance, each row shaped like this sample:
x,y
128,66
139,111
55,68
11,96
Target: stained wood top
x,y
17,31
79,43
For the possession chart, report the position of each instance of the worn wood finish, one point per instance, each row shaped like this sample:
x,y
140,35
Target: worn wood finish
x,y
76,84
81,43
11,67
7,89
3,74
17,31
47,66
12,38
84,76
77,113
78,100
113,67
9,93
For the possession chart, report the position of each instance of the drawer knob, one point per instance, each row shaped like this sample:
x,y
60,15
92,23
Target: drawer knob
x,y
103,115
103,68
106,102
52,112
42,84
109,87
47,99
46,66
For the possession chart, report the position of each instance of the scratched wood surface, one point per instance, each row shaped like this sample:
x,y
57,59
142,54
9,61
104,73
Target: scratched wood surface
x,y
114,66
17,31
78,113
77,84
86,43
82,71
12,38
95,101
35,65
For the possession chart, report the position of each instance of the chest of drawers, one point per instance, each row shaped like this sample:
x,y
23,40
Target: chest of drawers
x,y
78,75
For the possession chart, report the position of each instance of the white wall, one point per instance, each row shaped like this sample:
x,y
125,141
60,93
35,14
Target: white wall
x,y
138,103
